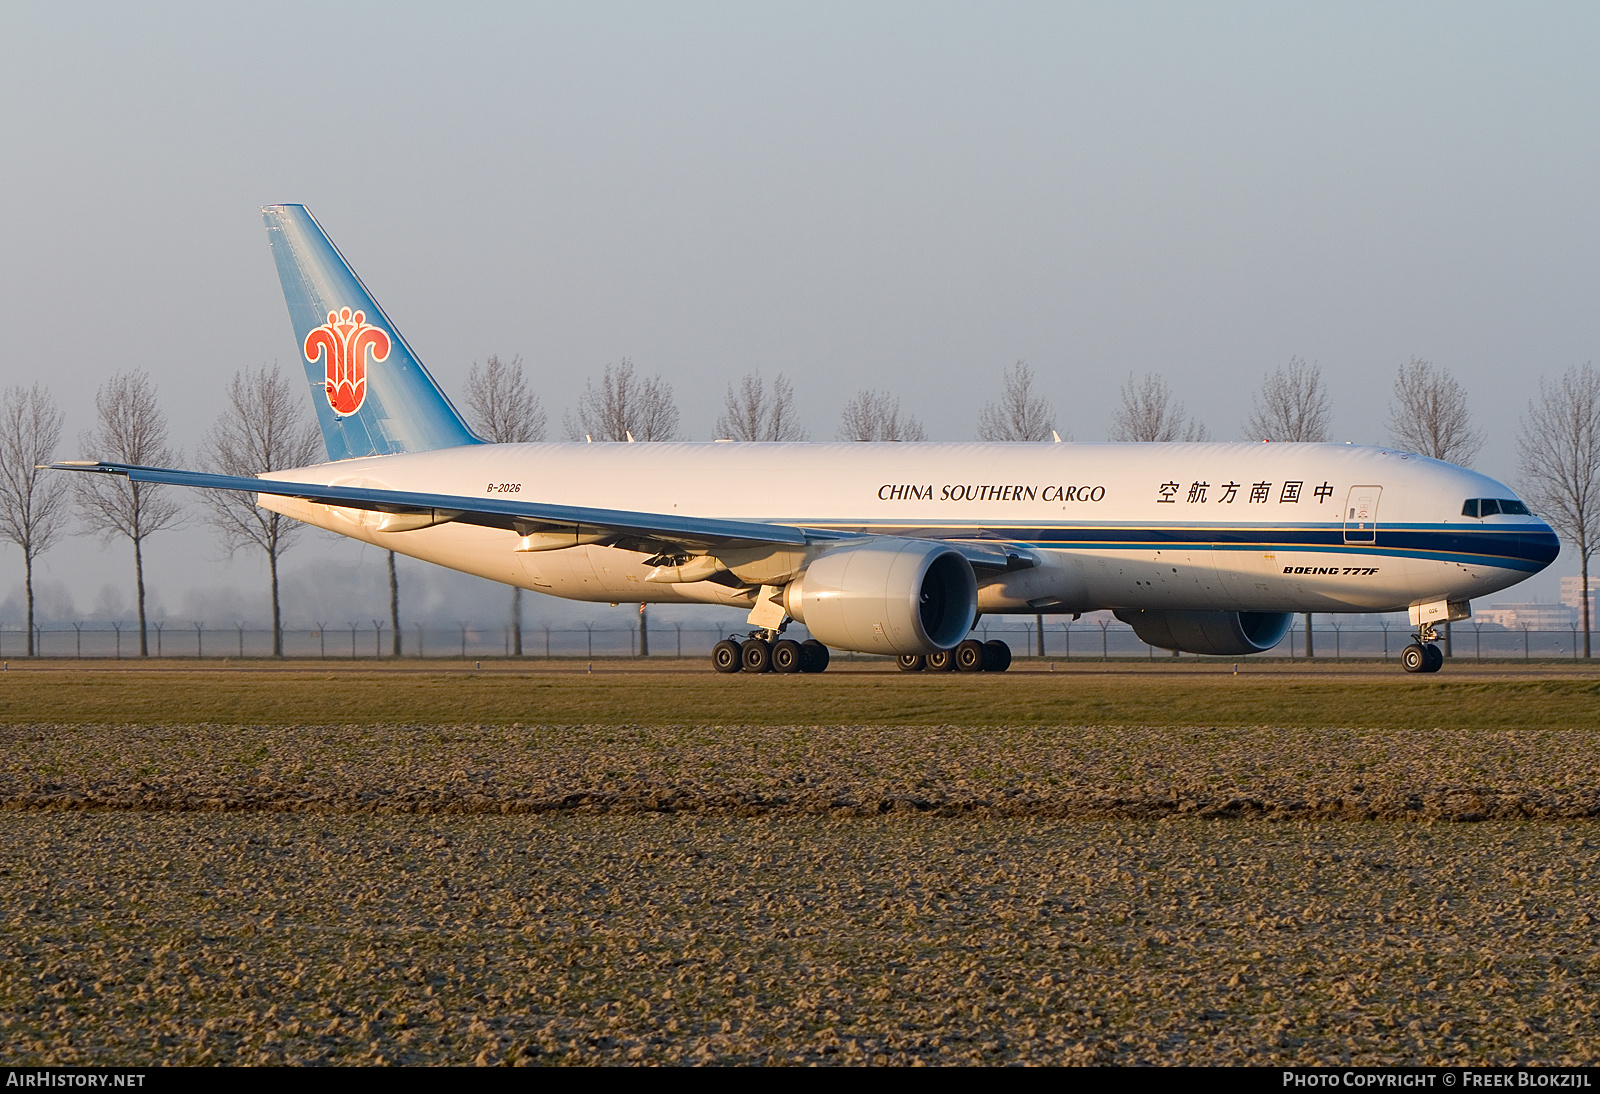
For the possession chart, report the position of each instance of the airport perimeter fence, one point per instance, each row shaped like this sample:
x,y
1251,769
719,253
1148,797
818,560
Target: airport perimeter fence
x,y
1083,640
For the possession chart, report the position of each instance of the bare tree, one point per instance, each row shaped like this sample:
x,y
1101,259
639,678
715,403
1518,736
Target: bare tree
x,y
624,407
1150,413
265,428
875,416
394,607
1559,443
1429,414
504,409
1020,415
749,413
30,517
1292,405
131,430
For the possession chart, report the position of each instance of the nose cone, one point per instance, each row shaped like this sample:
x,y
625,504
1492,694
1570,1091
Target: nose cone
x,y
1539,544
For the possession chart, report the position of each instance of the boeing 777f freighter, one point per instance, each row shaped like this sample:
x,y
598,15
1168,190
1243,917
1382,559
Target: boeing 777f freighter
x,y
891,548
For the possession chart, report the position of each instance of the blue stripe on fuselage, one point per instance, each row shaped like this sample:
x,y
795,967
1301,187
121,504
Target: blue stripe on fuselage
x,y
1519,547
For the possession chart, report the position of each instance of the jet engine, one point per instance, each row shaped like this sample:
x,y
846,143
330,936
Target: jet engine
x,y
1221,634
886,595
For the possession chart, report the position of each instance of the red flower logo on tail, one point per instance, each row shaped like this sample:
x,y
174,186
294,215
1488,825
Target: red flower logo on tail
x,y
343,342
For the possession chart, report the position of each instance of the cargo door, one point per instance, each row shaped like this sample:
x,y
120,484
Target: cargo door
x,y
1361,515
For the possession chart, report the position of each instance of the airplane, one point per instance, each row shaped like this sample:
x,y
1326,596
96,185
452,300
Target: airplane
x,y
881,548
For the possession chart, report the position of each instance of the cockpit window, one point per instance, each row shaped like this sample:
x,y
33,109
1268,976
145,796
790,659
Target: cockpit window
x,y
1488,507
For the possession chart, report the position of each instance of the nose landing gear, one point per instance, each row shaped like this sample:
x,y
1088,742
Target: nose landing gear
x,y
1422,655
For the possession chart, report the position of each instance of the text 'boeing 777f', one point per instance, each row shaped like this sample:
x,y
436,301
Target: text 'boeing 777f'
x,y
891,548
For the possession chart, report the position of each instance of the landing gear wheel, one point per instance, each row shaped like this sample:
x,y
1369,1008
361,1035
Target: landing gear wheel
x,y
941,660
813,656
727,656
1414,658
1435,658
757,656
912,662
786,655
969,656
996,656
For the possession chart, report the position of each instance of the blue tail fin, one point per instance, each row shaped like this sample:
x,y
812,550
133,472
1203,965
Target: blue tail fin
x,y
372,395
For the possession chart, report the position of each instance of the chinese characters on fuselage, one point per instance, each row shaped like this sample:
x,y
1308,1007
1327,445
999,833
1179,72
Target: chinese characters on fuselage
x,y
1170,493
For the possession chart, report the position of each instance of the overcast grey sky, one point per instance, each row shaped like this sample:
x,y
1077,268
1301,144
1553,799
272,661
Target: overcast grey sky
x,y
907,196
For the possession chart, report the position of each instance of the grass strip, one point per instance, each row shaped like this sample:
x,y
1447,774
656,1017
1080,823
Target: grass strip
x,y
259,697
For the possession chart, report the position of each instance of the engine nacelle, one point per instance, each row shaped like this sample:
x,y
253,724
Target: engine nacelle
x,y
886,595
1220,634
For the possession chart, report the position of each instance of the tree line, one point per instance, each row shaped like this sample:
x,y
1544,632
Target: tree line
x,y
267,427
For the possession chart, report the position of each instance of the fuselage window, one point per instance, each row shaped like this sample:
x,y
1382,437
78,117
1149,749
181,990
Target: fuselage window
x,y
1515,508
1470,508
1488,507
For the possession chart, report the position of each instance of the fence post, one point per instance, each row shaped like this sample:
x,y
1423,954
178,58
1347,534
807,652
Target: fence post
x,y
1066,638
547,641
1524,641
1104,656
421,653
352,641
79,628
322,639
199,641
118,628
679,627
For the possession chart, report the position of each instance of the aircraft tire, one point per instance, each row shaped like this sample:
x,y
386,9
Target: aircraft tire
x,y
786,655
727,656
996,656
941,660
969,656
1434,658
756,655
912,662
1414,658
813,656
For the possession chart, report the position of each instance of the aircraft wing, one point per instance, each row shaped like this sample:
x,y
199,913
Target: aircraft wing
x,y
523,517
652,532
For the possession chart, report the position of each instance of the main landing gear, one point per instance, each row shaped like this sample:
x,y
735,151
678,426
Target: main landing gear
x,y
970,656
1422,655
759,653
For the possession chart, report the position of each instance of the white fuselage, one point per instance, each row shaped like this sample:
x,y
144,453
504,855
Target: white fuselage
x,y
1235,527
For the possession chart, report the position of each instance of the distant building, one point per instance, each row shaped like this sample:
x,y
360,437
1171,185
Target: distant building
x,y
1572,593
1536,617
